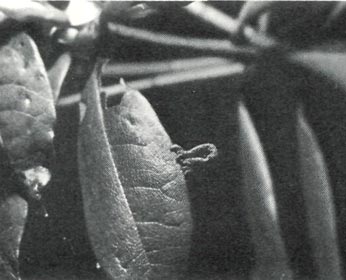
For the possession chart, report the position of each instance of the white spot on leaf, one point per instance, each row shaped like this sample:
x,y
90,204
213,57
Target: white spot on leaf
x,y
27,102
37,175
51,134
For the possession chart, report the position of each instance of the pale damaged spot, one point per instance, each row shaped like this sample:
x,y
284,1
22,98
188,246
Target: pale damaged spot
x,y
51,134
27,102
35,179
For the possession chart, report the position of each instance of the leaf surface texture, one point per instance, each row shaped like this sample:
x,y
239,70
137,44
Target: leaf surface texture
x,y
135,197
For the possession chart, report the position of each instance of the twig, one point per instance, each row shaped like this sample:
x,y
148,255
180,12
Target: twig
x,y
335,13
214,16
165,80
57,73
226,23
214,45
259,38
180,77
146,68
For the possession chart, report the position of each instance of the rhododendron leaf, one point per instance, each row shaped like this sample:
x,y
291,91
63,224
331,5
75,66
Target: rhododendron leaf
x,y
329,64
13,212
135,197
271,259
319,202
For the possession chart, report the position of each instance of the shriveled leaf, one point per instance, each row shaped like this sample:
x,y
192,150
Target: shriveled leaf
x,y
195,160
27,112
319,203
135,198
13,212
328,64
271,259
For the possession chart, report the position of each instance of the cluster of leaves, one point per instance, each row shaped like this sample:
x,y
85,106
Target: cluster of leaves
x,y
143,198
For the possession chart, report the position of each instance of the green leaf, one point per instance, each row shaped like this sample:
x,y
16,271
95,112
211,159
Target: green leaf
x,y
135,198
271,259
27,115
13,212
21,64
329,64
27,111
319,203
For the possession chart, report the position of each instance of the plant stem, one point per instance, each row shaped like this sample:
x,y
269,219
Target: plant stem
x,y
165,80
214,45
226,23
179,77
146,68
57,73
213,16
